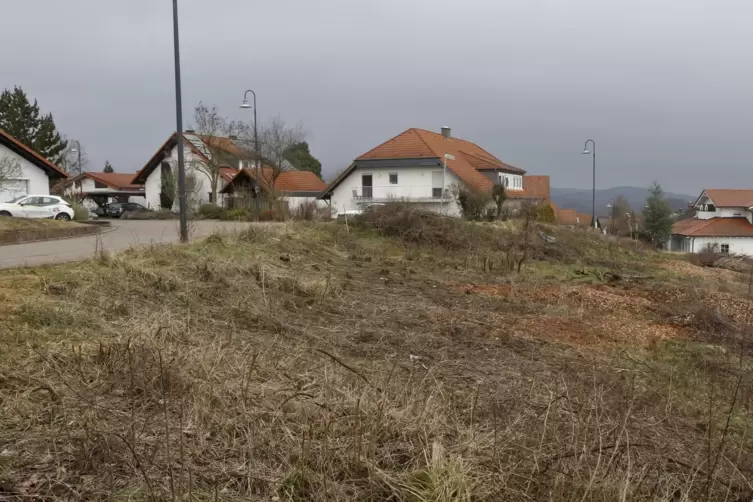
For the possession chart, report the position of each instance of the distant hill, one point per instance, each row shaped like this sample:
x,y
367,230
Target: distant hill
x,y
580,199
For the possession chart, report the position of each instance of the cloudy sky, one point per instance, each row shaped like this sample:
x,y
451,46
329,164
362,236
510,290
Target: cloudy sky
x,y
665,87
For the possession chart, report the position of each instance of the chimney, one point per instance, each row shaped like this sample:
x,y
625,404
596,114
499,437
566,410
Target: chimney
x,y
446,132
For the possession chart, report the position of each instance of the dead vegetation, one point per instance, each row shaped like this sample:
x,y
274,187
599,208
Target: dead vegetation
x,y
392,360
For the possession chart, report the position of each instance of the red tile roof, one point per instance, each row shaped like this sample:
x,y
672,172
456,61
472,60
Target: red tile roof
x,y
730,197
30,155
584,219
119,181
534,187
299,181
228,173
714,227
420,144
568,217
287,181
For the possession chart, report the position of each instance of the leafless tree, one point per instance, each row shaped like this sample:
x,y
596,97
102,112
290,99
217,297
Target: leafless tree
x,y
214,130
69,158
275,138
10,170
620,219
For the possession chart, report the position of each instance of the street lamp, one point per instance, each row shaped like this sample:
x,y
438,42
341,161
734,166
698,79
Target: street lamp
x,y
245,105
593,197
77,149
179,130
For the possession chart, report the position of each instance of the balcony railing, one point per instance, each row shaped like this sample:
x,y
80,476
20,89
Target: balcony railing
x,y
415,193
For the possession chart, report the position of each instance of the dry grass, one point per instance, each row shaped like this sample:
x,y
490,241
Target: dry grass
x,y
315,363
15,224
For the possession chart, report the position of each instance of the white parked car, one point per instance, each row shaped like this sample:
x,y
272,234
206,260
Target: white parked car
x,y
37,206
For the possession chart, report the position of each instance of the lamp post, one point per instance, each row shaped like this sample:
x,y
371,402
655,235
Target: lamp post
x,y
245,105
593,196
179,130
77,149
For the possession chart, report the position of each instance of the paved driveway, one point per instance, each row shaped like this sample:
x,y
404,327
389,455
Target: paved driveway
x,y
124,234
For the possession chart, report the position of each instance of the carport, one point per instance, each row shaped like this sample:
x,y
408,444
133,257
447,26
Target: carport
x,y
100,196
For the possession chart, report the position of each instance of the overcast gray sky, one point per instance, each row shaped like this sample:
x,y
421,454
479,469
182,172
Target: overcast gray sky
x,y
663,86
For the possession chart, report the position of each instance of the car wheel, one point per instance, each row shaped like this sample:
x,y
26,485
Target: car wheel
x,y
5,213
63,217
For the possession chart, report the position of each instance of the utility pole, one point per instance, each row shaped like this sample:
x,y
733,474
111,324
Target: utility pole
x,y
593,194
257,160
179,131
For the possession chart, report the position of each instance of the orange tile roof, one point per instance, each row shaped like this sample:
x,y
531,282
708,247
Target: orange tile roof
x,y
421,144
228,173
287,181
31,155
114,180
568,217
299,181
584,219
730,197
534,187
714,227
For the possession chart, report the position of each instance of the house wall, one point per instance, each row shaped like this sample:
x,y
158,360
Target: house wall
x,y
33,180
725,212
737,245
414,183
514,181
153,185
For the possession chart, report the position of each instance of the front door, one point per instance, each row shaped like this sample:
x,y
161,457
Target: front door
x,y
367,186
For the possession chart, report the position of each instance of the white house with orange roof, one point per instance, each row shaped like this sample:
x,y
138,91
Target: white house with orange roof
x,y
723,222
165,160
411,167
23,171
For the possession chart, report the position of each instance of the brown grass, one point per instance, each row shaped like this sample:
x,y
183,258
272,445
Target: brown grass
x,y
311,363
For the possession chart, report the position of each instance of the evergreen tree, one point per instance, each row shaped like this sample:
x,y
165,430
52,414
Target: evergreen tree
x,y
21,119
657,216
300,157
108,167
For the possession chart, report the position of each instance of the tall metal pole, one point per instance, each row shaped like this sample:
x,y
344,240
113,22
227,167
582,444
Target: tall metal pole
x,y
179,130
593,195
80,170
257,155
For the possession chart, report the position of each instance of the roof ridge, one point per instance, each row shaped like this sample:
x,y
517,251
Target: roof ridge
x,y
423,140
461,140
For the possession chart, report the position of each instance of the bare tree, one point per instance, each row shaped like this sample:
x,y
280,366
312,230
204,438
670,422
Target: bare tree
x,y
620,216
69,158
10,171
214,131
275,138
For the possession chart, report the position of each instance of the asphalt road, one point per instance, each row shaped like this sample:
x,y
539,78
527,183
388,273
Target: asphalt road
x,y
123,235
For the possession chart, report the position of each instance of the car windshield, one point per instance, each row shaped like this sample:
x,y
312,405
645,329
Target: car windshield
x,y
117,205
13,201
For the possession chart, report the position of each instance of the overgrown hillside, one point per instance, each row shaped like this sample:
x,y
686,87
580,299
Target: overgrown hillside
x,y
402,357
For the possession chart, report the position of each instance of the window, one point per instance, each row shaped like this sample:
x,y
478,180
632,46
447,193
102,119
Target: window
x,y
507,182
725,248
46,201
393,178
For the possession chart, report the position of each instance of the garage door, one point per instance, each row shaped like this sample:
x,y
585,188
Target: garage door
x,y
11,189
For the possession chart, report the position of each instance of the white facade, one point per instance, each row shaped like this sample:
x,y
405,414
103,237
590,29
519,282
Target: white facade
x,y
419,185
29,180
731,245
203,187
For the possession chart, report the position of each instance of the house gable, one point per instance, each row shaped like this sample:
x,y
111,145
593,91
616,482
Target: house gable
x,y
51,170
